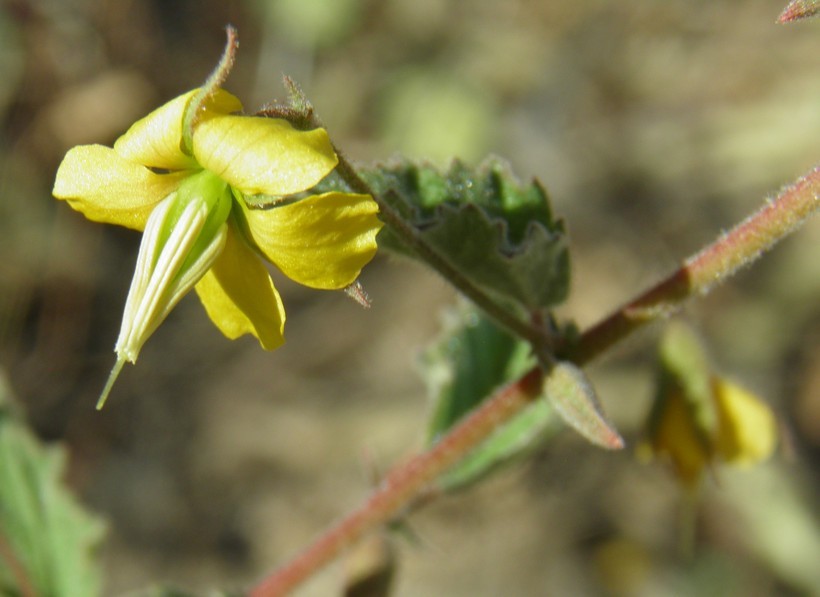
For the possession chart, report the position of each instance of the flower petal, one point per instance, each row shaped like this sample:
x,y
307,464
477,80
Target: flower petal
x,y
156,140
239,296
747,429
322,241
677,438
105,187
263,156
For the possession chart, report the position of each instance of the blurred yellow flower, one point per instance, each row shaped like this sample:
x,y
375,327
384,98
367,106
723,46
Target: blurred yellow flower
x,y
747,429
677,437
699,418
200,232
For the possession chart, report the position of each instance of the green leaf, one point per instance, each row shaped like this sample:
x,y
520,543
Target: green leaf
x,y
472,359
570,392
47,540
497,232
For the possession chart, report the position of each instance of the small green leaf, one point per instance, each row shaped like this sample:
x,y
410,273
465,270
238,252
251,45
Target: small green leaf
x,y
49,541
472,359
570,392
497,232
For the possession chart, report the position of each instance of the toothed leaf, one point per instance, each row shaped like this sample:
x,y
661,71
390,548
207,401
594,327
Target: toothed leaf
x,y
497,232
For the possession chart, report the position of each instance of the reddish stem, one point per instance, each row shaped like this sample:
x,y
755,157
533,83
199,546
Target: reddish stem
x,y
404,483
701,272
799,9
22,582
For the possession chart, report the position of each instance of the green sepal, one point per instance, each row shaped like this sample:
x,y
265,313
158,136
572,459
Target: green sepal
x,y
683,368
49,540
210,190
209,87
497,232
462,369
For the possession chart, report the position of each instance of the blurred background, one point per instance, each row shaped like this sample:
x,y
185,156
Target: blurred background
x,y
653,125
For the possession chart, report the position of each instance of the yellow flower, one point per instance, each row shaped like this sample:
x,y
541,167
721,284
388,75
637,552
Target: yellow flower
x,y
747,429
676,436
699,418
199,229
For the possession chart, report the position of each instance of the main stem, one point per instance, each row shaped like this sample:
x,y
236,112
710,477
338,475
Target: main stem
x,y
699,274
715,263
403,484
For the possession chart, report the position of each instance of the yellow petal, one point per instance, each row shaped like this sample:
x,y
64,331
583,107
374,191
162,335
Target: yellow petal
x,y
103,186
322,241
747,430
239,296
677,438
263,156
156,140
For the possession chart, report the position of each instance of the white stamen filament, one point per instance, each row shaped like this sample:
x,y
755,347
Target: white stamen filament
x,y
170,260
145,258
158,283
151,270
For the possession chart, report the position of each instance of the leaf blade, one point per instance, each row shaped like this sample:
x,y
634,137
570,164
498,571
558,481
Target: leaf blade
x,y
499,233
472,359
570,392
51,537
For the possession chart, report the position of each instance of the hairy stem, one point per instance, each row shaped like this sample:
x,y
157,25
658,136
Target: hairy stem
x,y
401,486
715,263
699,274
